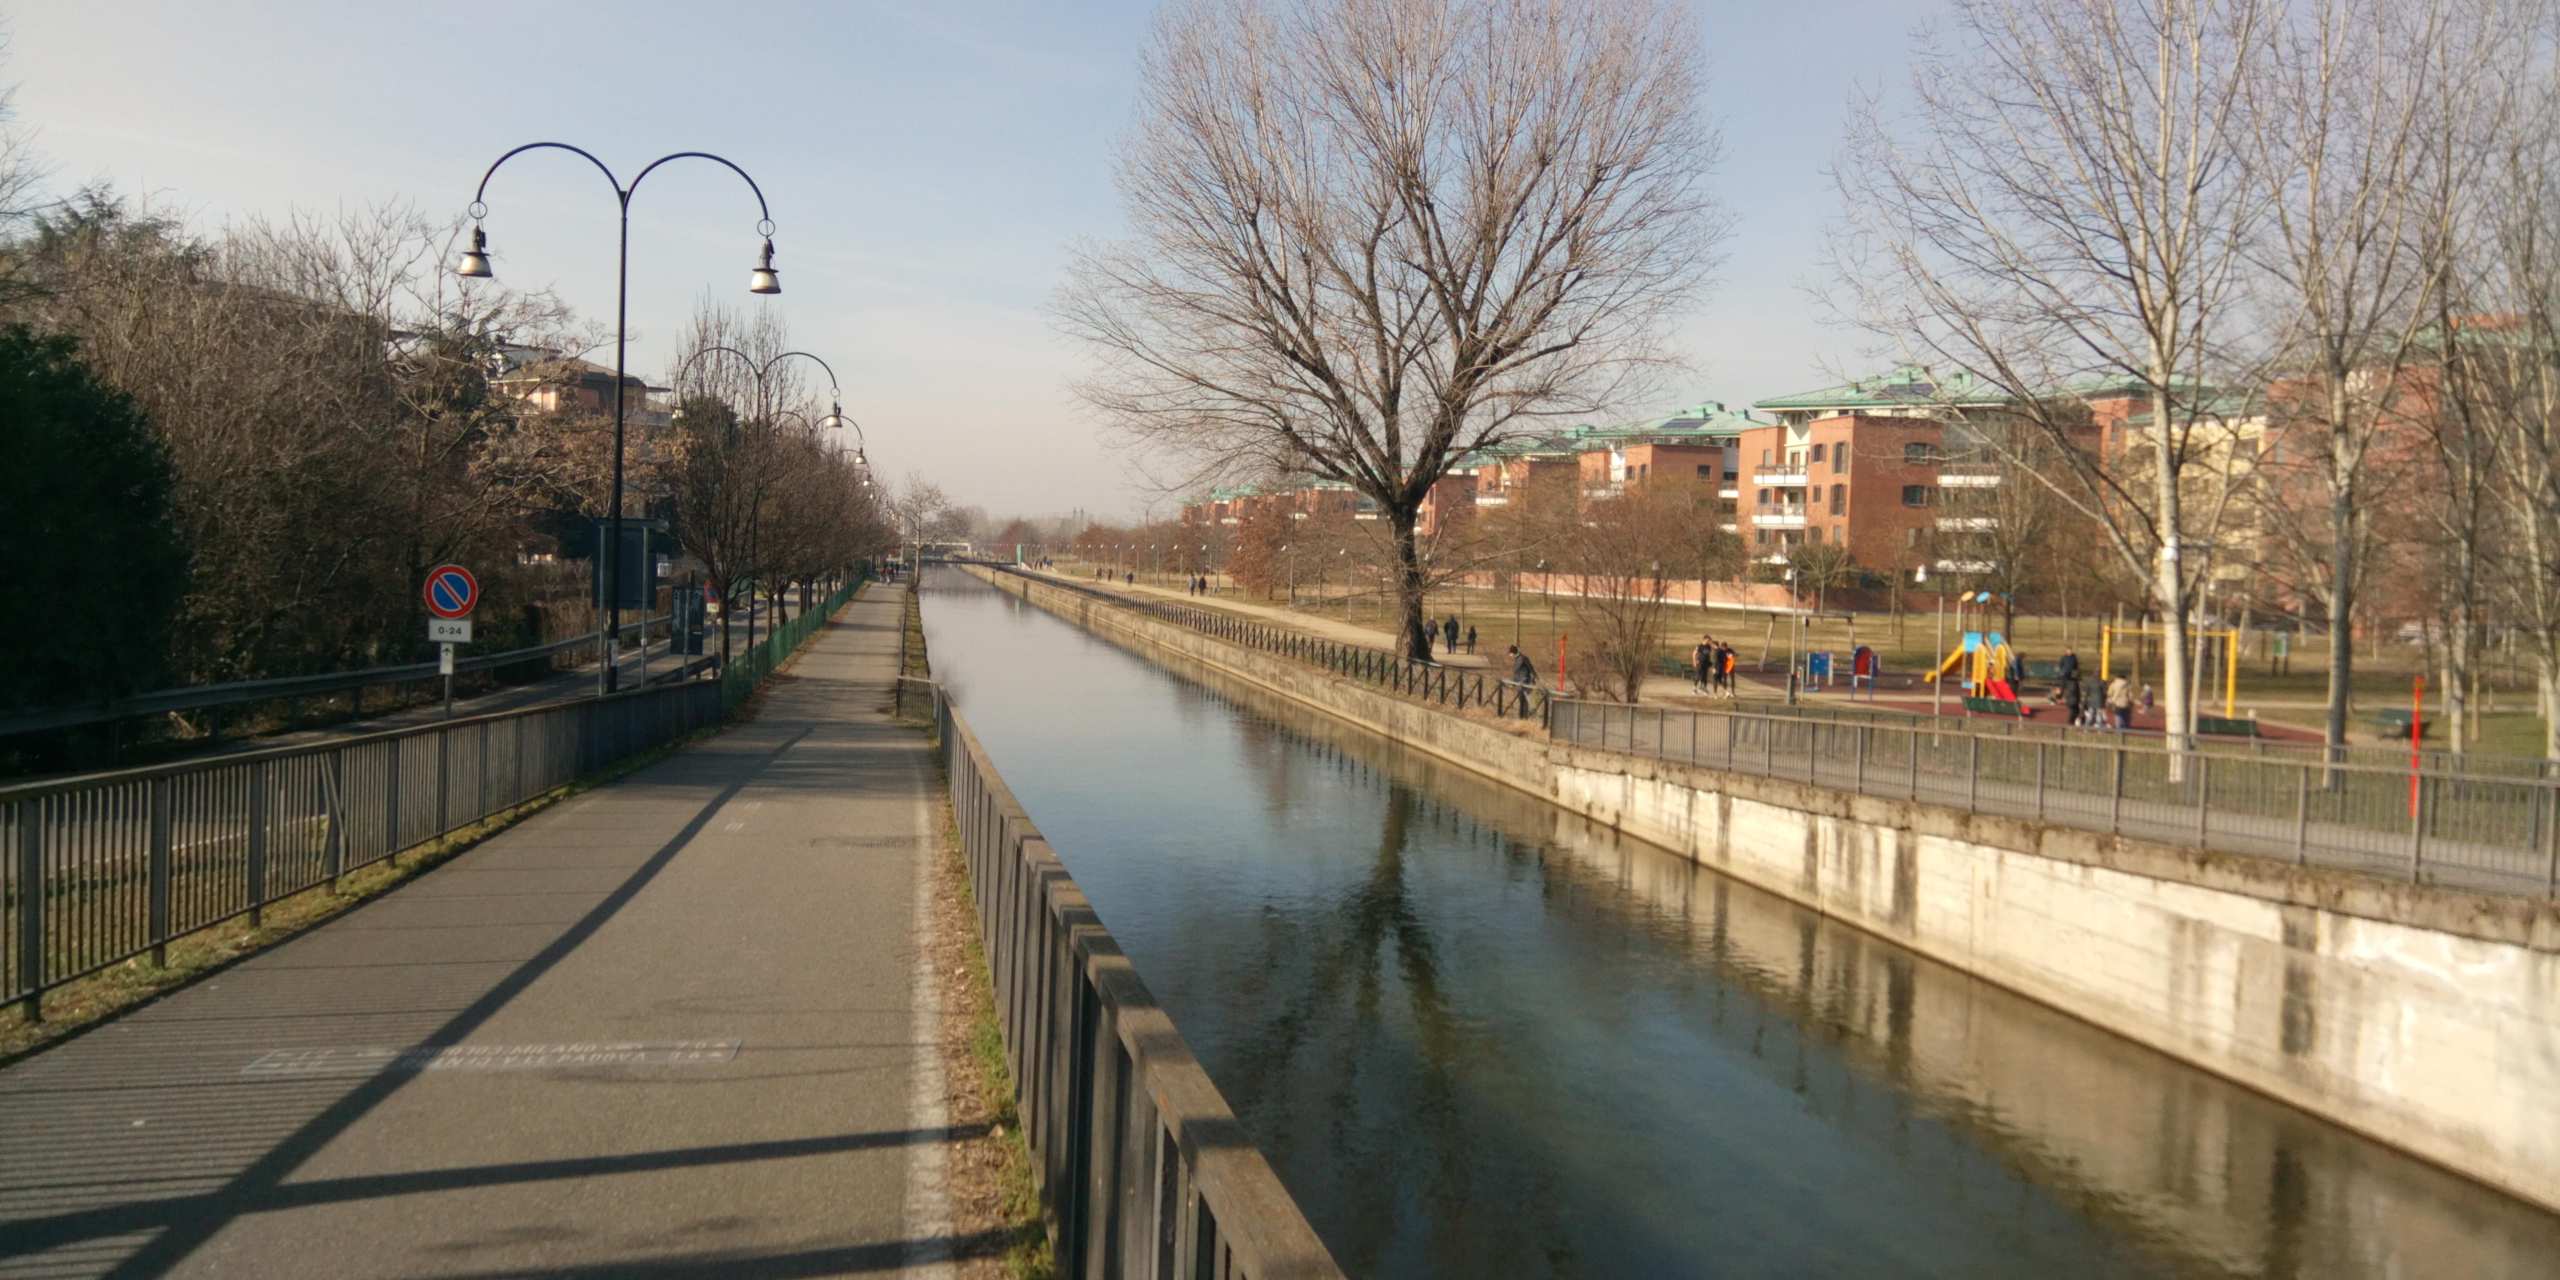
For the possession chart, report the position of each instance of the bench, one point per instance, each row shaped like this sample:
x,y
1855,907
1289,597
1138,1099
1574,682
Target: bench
x,y
1991,706
2048,672
2394,724
2233,727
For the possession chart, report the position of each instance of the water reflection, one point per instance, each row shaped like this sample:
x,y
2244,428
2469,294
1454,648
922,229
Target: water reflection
x,y
1481,1037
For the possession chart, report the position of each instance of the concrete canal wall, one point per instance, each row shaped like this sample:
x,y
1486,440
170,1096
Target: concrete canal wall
x,y
2425,1018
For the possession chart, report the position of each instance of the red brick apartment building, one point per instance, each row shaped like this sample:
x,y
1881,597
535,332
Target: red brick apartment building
x,y
1889,467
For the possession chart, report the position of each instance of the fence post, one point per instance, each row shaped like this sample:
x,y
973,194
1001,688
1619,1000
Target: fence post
x,y
519,794
483,788
1914,762
2204,797
2551,839
444,776
160,855
1693,737
31,906
2039,782
2301,816
257,843
1973,771
2115,805
2418,830
391,800
1768,748
336,817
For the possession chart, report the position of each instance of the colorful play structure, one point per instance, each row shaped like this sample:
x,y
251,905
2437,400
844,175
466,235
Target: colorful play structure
x,y
1986,658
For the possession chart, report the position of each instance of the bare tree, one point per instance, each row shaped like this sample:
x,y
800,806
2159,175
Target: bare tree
x,y
1373,236
2343,109
2071,207
1622,556
2501,357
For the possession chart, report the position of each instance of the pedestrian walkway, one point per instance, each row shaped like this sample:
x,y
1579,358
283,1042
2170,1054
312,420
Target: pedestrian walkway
x,y
673,1026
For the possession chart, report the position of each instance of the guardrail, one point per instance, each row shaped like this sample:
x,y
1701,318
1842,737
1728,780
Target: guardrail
x,y
1147,1169
1457,688
100,868
214,697
2499,835
2048,724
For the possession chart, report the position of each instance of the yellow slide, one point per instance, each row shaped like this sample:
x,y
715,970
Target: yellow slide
x,y
1950,664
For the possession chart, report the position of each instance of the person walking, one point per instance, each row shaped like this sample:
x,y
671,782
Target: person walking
x,y
1724,666
2072,700
2068,666
1471,638
1702,665
2120,702
1449,632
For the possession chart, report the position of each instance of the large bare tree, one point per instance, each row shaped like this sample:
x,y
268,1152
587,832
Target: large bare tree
x,y
1371,236
2346,111
2067,204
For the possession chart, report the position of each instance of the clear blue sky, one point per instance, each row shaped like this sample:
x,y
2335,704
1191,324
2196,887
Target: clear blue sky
x,y
927,164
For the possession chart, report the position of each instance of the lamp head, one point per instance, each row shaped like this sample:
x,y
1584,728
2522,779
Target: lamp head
x,y
765,279
475,263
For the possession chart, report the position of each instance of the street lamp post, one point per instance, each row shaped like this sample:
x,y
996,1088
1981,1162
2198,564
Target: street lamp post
x,y
760,372
763,280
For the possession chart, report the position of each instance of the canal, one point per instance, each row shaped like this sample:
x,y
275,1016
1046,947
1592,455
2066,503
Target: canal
x,y
1478,1036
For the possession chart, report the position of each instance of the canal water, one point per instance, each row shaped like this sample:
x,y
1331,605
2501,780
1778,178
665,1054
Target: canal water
x,y
1480,1037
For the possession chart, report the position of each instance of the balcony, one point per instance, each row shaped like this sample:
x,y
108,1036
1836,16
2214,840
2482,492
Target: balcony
x,y
1964,566
1728,527
1968,524
1783,518
1781,477
1728,492
1968,475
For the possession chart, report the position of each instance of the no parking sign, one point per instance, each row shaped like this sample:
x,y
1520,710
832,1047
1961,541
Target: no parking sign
x,y
451,591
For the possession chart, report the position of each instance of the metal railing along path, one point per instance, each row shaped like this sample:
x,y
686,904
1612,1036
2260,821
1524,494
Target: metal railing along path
x,y
2490,834
1147,1169
2049,724
100,868
1457,688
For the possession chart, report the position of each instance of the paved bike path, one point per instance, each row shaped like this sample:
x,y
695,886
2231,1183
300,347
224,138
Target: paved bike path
x,y
673,1026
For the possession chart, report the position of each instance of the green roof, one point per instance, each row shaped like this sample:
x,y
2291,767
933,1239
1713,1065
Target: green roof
x,y
1907,386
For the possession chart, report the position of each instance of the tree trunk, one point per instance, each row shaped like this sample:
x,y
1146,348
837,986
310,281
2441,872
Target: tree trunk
x,y
2168,586
2342,591
1414,642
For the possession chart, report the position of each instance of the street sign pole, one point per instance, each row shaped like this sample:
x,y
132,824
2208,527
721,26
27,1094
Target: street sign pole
x,y
451,594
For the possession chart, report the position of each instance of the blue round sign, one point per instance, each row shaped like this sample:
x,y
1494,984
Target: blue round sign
x,y
451,591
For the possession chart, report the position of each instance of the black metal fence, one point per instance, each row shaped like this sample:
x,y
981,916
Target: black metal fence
x,y
2490,834
1458,688
98,869
1144,1164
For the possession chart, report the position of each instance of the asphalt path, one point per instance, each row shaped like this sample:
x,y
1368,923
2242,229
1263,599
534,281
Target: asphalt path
x,y
672,1026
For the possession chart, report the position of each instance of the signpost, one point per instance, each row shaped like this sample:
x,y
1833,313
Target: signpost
x,y
451,594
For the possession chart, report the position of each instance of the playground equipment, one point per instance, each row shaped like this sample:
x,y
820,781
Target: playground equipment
x,y
2228,652
1986,658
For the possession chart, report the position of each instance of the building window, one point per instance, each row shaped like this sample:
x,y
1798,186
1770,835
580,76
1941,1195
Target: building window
x,y
1817,453
1920,452
1814,535
1703,472
1911,537
1764,497
1760,536
1839,498
1916,495
1840,459
1764,457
